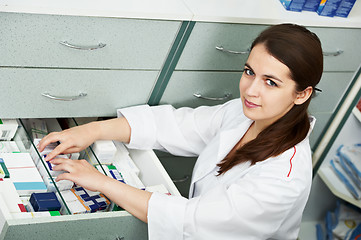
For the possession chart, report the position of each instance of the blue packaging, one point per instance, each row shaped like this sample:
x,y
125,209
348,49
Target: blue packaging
x,y
328,7
345,8
311,5
293,5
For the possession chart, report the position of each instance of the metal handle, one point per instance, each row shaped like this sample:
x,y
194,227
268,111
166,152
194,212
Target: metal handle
x,y
64,98
334,54
65,43
221,48
226,96
186,177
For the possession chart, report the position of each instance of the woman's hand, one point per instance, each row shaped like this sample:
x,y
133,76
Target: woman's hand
x,y
71,140
80,172
78,138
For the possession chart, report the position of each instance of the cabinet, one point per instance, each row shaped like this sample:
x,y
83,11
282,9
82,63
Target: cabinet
x,y
109,62
92,66
345,128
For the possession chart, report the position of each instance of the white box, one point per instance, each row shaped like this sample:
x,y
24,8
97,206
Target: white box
x,y
8,129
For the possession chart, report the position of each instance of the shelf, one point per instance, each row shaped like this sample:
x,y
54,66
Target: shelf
x,y
357,113
335,185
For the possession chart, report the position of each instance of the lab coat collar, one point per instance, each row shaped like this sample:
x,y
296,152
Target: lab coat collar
x,y
227,139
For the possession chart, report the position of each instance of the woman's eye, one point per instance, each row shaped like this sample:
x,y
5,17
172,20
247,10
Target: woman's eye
x,y
271,83
248,71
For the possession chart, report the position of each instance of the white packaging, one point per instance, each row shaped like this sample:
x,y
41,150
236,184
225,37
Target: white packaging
x,y
104,151
8,128
125,162
9,147
23,173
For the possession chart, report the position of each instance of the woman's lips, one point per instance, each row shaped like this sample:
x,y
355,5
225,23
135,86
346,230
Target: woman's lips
x,y
250,104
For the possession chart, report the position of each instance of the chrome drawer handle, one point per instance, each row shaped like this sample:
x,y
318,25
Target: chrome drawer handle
x,y
186,177
64,98
221,48
334,54
65,43
226,96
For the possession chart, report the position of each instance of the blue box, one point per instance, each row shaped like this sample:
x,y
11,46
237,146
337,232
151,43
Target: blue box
x,y
328,7
45,202
345,8
311,5
293,5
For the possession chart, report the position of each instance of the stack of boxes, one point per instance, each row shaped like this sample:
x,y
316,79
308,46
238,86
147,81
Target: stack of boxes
x,y
329,8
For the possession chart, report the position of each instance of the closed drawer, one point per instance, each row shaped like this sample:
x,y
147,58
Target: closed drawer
x,y
200,52
106,91
340,39
33,40
100,225
334,86
183,85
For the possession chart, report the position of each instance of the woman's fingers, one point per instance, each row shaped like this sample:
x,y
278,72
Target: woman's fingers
x,y
50,138
61,148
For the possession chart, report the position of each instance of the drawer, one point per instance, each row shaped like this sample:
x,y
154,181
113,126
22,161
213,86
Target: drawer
x,y
34,40
333,85
340,39
100,225
200,52
106,91
183,85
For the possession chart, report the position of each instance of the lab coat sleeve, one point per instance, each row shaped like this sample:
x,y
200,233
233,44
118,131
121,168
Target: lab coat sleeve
x,y
184,131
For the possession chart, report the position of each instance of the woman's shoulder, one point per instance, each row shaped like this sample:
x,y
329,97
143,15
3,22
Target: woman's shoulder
x,y
294,163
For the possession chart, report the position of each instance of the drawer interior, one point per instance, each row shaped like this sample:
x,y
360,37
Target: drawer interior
x,y
151,173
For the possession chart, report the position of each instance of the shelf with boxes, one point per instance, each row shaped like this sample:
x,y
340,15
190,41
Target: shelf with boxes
x,y
29,195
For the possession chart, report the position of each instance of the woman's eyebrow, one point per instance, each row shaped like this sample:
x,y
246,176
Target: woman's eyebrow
x,y
266,75
273,77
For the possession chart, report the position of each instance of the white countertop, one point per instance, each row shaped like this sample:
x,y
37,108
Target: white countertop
x,y
226,11
143,9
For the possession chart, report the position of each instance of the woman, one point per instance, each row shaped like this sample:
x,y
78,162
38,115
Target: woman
x,y
253,174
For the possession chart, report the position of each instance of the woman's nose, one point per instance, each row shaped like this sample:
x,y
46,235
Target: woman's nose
x,y
254,88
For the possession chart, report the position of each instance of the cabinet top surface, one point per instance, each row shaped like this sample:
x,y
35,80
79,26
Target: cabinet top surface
x,y
226,11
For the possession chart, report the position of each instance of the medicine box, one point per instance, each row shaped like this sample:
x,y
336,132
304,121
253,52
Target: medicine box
x,y
8,129
44,202
344,8
311,5
293,5
328,7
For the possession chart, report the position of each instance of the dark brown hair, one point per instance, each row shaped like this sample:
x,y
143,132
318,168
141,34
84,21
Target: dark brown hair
x,y
300,50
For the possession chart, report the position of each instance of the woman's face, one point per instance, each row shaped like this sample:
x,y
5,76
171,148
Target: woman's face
x,y
266,89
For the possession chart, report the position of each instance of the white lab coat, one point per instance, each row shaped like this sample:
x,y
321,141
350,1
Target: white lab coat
x,y
263,201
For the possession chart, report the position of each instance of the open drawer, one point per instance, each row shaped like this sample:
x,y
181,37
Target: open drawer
x,y
99,225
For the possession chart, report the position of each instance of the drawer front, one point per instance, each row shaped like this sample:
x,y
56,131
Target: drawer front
x,y
183,85
33,40
333,85
200,52
340,39
106,91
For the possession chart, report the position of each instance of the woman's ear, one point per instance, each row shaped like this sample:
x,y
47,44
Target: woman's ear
x,y
303,96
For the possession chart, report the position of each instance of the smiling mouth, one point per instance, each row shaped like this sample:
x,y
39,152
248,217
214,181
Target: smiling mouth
x,y
250,104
